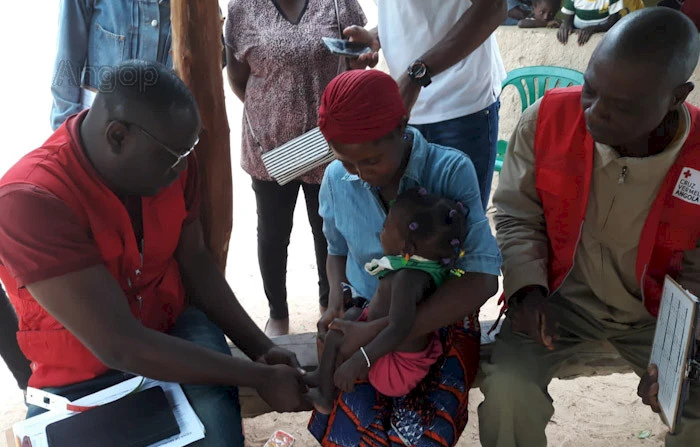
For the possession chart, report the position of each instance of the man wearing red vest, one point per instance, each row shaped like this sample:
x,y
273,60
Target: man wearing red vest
x,y
102,256
598,200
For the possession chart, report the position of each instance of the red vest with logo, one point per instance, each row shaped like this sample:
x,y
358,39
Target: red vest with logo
x,y
151,284
563,169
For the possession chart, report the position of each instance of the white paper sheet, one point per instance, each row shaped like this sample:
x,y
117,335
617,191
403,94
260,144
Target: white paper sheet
x,y
672,340
191,428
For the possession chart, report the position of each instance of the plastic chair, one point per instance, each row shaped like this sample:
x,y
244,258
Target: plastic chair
x,y
532,83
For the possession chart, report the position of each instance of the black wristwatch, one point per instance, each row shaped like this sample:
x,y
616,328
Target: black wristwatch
x,y
420,73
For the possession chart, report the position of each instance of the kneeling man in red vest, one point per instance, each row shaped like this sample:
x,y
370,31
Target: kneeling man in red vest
x,y
598,200
102,256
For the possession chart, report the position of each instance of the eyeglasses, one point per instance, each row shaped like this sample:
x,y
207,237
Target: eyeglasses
x,y
178,155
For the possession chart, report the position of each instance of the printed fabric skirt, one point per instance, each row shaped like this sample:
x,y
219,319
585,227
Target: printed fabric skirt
x,y
434,414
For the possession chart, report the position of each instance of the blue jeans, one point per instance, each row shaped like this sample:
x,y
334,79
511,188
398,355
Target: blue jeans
x,y
217,406
476,135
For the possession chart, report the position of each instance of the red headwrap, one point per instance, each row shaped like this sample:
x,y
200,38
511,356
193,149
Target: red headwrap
x,y
360,106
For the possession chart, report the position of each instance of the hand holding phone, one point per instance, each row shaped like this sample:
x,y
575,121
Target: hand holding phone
x,y
341,47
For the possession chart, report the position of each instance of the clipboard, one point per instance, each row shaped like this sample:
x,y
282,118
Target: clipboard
x,y
674,349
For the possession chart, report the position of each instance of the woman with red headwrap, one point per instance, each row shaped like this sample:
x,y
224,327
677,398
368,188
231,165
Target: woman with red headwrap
x,y
364,119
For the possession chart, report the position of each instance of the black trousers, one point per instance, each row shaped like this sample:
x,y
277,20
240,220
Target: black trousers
x,y
16,362
275,220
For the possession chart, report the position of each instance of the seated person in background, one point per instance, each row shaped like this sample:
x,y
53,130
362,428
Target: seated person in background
x,y
102,256
422,239
363,118
517,10
542,16
588,17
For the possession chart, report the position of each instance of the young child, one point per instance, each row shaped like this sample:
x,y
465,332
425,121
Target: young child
x,y
588,17
517,10
542,15
422,238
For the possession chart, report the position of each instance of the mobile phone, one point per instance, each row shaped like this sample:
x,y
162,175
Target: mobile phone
x,y
346,48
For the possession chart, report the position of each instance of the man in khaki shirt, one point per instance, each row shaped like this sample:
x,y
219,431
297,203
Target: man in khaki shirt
x,y
600,299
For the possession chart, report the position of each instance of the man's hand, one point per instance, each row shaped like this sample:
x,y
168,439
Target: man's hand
x,y
359,34
584,35
648,388
283,390
410,90
565,31
349,372
279,356
533,317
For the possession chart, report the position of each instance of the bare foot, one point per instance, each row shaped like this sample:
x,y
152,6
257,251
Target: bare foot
x,y
320,403
275,328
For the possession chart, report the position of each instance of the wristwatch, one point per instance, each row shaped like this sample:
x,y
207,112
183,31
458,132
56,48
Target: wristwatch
x,y
420,73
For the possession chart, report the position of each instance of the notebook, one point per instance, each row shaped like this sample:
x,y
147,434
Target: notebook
x,y
298,156
673,348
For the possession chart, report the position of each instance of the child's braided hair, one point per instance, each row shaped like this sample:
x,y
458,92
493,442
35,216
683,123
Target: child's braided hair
x,y
432,221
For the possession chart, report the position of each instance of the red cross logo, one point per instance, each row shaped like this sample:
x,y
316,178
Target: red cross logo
x,y
687,173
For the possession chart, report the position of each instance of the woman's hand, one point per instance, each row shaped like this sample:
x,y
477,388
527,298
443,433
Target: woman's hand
x,y
352,370
332,313
357,334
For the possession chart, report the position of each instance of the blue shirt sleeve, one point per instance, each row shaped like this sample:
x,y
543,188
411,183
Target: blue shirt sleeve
x,y
337,245
73,30
481,254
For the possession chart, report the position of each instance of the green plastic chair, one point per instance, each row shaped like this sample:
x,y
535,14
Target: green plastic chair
x,y
531,83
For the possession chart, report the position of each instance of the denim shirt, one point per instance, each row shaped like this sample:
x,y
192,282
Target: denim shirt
x,y
94,35
353,215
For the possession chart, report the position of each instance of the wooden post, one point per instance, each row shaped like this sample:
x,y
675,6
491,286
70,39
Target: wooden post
x,y
196,46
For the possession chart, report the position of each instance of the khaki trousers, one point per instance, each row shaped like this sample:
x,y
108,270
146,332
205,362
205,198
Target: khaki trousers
x,y
517,406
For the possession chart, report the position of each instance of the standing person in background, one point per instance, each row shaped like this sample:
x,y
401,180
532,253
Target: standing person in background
x,y
449,70
279,67
95,35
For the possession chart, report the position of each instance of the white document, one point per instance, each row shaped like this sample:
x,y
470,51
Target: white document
x,y
673,340
191,428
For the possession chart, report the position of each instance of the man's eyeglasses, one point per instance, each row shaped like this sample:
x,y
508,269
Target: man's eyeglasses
x,y
178,155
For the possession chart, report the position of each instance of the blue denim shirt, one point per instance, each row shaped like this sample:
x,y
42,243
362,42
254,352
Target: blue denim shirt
x,y
96,34
353,215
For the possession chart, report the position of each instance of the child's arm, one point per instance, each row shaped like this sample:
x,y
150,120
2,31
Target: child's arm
x,y
585,34
408,288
